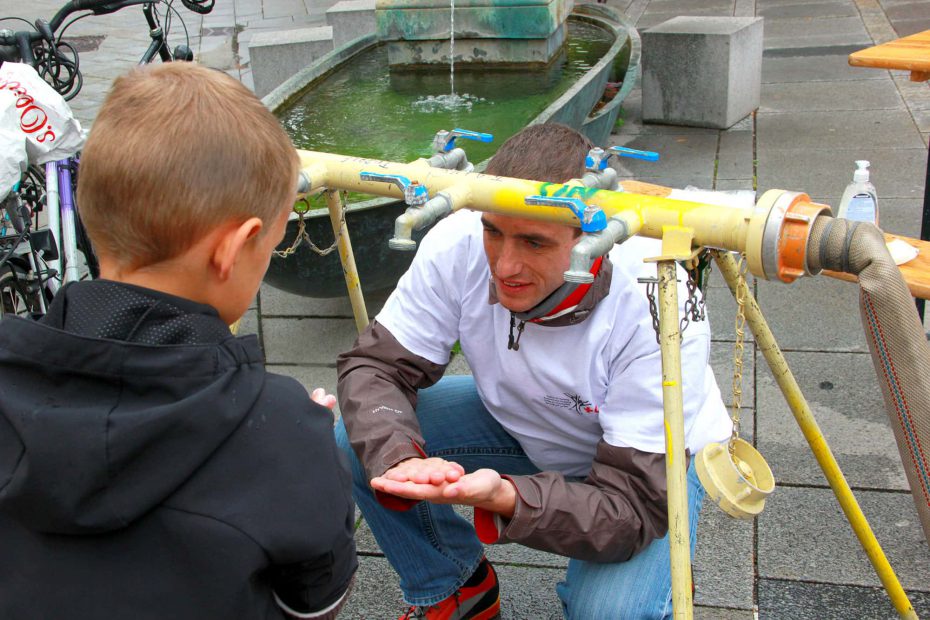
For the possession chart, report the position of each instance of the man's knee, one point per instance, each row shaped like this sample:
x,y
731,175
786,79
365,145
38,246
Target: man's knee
x,y
615,606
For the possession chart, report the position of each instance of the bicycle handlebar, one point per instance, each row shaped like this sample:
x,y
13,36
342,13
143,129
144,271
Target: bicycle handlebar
x,y
22,41
99,7
63,67
105,7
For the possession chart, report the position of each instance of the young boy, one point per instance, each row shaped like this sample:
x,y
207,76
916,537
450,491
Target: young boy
x,y
149,466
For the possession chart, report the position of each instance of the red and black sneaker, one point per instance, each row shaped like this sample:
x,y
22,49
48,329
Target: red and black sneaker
x,y
478,599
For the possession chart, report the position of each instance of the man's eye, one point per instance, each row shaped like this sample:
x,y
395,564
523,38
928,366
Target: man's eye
x,y
536,245
491,232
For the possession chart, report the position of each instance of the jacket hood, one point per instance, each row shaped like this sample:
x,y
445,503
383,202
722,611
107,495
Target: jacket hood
x,y
112,402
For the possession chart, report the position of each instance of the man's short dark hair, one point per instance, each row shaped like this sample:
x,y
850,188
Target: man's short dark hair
x,y
549,152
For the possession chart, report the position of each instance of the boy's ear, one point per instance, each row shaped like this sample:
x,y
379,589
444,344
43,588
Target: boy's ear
x,y
232,241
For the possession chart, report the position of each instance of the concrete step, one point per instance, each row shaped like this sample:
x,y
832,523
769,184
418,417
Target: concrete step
x,y
277,55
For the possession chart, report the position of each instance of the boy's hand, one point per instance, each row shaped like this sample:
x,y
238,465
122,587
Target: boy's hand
x,y
320,397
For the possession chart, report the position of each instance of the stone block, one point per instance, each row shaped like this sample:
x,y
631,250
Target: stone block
x,y
351,19
702,71
276,56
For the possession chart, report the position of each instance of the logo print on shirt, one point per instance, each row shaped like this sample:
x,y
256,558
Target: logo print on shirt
x,y
572,401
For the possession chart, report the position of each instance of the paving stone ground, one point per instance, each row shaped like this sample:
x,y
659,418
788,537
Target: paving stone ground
x,y
817,114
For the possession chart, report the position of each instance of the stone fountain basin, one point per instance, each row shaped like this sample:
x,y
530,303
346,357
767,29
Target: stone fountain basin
x,y
371,223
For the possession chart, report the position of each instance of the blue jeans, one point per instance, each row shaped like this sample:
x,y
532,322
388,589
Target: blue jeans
x,y
434,550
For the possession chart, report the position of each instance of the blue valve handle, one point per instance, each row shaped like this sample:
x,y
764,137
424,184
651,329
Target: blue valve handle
x,y
622,151
592,219
596,159
414,193
477,136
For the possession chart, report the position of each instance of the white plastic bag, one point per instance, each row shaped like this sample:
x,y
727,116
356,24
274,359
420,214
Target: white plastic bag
x,y
737,198
36,124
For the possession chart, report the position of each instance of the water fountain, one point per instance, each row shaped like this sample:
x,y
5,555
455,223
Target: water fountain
x,y
488,31
430,68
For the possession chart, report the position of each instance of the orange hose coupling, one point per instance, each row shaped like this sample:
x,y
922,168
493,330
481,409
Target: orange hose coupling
x,y
778,235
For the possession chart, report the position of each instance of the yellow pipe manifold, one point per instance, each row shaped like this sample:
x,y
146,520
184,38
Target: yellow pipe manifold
x,y
773,234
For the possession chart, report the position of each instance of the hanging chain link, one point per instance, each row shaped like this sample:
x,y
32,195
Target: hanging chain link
x,y
694,307
742,289
651,284
301,208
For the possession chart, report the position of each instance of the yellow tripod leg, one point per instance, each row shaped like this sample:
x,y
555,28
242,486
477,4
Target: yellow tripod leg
x,y
347,258
675,460
811,430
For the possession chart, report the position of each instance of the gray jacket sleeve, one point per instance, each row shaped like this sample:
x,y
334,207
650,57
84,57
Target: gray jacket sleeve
x,y
614,513
377,388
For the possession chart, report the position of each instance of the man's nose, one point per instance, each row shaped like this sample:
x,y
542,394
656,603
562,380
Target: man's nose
x,y
509,262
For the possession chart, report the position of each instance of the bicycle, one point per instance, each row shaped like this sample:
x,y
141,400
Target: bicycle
x,y
36,260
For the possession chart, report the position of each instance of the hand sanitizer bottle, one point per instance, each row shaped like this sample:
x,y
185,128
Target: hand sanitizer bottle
x,y
860,201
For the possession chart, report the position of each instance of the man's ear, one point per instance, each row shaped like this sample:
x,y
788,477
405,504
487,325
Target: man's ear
x,y
233,239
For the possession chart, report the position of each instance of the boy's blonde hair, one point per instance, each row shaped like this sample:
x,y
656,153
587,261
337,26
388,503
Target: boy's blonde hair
x,y
176,150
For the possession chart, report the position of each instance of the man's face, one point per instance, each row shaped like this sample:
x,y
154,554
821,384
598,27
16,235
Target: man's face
x,y
527,258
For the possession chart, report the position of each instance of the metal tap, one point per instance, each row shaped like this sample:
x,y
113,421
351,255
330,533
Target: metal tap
x,y
414,193
445,153
599,235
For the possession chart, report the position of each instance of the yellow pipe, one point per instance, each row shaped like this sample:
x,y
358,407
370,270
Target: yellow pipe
x,y
675,459
334,203
714,226
460,195
809,427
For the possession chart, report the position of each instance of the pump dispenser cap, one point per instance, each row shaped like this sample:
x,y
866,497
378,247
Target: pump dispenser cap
x,y
861,175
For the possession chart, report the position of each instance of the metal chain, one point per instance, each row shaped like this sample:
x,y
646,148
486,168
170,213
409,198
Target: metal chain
x,y
651,284
694,307
302,235
742,289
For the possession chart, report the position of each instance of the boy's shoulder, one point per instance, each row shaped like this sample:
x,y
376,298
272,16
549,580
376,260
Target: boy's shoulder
x,y
276,471
284,408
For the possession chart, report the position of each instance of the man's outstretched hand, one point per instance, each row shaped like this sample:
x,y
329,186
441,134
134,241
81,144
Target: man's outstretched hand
x,y
445,482
431,471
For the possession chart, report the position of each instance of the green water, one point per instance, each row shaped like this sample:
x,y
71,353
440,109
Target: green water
x,y
365,109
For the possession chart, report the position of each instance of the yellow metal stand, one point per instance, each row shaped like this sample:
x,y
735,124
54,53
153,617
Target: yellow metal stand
x,y
341,231
811,430
675,458
773,236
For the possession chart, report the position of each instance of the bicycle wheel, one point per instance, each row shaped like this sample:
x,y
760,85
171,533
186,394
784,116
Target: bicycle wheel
x,y
15,298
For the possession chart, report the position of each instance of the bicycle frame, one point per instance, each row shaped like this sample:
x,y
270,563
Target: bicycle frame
x,y
62,221
159,44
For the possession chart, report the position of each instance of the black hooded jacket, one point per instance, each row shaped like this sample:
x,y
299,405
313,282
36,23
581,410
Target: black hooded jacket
x,y
151,468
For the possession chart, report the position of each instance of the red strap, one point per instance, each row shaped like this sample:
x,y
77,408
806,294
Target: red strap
x,y
393,502
577,295
485,526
